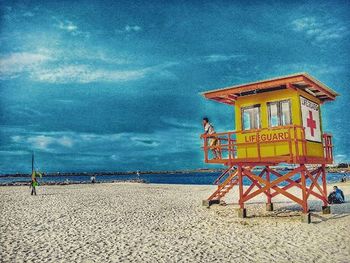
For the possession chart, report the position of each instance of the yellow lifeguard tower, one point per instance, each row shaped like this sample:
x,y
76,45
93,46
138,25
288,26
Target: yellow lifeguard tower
x,y
277,121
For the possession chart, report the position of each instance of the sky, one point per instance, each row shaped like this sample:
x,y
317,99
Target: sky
x,y
115,85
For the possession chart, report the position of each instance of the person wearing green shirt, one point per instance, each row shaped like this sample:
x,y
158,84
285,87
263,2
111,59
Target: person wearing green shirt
x,y
33,184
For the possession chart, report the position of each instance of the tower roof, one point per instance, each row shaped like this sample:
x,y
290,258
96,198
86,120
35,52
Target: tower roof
x,y
302,81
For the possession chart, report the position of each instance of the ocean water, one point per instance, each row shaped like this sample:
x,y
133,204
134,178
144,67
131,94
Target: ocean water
x,y
186,178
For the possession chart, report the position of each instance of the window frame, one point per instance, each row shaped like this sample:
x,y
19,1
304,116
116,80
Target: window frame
x,y
279,112
242,116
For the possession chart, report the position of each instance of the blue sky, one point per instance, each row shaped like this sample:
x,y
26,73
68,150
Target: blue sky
x,y
99,85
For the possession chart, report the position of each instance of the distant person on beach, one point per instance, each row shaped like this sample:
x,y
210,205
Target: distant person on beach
x,y
33,184
213,140
343,179
337,196
93,179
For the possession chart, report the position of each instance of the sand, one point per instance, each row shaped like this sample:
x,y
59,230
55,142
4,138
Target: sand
x,y
131,222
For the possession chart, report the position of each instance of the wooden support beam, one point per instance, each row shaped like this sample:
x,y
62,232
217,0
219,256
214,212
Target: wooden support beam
x,y
291,86
314,181
318,87
254,183
268,184
253,86
303,188
324,184
268,190
272,185
240,182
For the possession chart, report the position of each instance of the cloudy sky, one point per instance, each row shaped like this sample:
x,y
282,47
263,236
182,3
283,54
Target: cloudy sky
x,y
98,85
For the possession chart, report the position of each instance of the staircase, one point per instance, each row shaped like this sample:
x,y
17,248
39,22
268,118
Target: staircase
x,y
223,188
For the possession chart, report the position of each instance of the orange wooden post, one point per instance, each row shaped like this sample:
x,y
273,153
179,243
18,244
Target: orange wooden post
x,y
326,209
242,211
306,216
303,188
240,181
269,205
205,147
324,184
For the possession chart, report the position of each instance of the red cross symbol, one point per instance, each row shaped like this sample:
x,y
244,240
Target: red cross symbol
x,y
311,123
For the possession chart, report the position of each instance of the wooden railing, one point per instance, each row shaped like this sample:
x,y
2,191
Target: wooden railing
x,y
328,147
233,146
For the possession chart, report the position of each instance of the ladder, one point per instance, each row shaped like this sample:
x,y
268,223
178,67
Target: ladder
x,y
223,188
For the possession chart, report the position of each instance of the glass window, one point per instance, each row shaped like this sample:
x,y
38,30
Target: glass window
x,y
273,114
285,113
279,113
251,117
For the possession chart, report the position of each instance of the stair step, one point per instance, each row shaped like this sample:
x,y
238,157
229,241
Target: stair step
x,y
224,187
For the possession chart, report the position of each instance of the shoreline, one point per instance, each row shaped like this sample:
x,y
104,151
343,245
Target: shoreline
x,y
138,181
201,170
58,174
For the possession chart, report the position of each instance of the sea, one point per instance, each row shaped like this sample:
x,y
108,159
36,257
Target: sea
x,y
168,178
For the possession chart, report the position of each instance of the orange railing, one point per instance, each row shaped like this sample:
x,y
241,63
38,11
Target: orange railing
x,y
328,147
232,148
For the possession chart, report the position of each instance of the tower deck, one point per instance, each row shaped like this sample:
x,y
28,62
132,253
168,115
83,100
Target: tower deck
x,y
277,145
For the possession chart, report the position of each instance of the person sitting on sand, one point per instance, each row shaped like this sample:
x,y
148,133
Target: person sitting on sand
x,y
33,184
337,196
213,140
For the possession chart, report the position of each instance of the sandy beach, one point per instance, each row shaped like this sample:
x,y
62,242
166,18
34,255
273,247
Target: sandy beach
x,y
132,222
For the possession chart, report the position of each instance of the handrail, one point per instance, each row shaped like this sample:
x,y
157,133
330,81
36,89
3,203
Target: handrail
x,y
223,174
293,138
253,130
221,186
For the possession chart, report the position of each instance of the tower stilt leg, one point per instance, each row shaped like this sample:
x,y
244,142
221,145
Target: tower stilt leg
x,y
269,205
305,217
242,213
326,209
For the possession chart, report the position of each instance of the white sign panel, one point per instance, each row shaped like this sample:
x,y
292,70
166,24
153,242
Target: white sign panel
x,y
310,112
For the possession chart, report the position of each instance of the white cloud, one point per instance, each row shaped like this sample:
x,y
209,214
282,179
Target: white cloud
x,y
86,74
340,158
303,24
221,57
129,29
28,14
71,28
134,28
114,157
43,142
173,122
67,26
320,30
16,138
99,56
14,152
314,69
143,143
15,63
60,67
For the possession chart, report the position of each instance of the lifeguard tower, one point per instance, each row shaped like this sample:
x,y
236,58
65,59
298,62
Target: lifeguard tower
x,y
278,121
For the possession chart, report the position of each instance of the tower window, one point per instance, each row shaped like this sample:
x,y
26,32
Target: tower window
x,y
251,117
279,113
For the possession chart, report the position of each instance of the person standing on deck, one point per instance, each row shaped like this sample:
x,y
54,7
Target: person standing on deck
x,y
213,140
